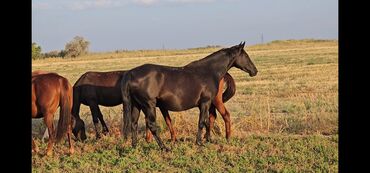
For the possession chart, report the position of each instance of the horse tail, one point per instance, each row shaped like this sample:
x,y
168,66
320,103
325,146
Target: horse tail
x,y
66,93
231,88
126,99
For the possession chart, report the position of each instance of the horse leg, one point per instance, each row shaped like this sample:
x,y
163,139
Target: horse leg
x,y
212,118
34,147
100,116
135,113
149,135
94,108
69,134
48,119
150,113
225,115
168,120
203,120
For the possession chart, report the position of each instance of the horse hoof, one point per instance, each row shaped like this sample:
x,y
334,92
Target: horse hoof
x,y
174,141
148,140
49,153
227,140
36,150
71,151
199,143
105,132
166,149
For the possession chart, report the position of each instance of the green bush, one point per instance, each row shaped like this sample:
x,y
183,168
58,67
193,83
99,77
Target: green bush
x,y
36,51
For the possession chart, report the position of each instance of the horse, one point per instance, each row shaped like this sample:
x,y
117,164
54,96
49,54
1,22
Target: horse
x,y
218,103
93,89
50,90
103,88
149,85
35,73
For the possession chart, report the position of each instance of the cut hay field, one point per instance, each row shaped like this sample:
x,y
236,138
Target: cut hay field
x,y
285,119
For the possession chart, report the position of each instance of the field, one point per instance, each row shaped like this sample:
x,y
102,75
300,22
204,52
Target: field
x,y
285,119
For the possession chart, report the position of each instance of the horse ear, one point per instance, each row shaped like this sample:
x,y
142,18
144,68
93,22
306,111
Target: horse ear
x,y
241,46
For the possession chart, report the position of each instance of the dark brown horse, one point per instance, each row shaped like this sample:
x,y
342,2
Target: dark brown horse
x,y
103,88
218,103
49,91
178,89
93,89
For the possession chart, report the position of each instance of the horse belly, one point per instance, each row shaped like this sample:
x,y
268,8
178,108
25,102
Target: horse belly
x,y
178,103
109,97
39,115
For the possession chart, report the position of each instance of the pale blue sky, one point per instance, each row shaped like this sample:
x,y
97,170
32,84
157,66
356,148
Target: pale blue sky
x,y
149,24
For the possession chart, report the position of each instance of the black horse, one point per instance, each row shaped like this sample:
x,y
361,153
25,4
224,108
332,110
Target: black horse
x,y
103,88
178,89
93,89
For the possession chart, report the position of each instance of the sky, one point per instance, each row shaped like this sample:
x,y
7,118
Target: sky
x,y
179,24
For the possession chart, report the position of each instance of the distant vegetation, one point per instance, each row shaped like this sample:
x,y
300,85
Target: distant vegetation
x,y
76,47
206,47
36,51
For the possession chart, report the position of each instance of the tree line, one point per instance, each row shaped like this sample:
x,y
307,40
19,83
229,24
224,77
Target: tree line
x,y
76,47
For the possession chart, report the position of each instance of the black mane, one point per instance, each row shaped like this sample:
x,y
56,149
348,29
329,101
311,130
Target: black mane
x,y
205,60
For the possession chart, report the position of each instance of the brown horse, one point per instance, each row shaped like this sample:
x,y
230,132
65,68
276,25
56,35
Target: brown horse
x,y
218,103
50,90
35,73
102,88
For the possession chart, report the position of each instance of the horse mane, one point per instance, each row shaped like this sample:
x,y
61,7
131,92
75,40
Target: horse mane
x,y
205,60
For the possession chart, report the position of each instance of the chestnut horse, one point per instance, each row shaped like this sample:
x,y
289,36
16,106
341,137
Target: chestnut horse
x,y
103,88
49,91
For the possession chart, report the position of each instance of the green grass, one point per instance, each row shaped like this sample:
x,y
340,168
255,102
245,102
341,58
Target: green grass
x,y
285,119
261,153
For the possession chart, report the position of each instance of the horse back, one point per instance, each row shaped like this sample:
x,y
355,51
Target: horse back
x,y
100,87
46,93
173,88
40,72
105,79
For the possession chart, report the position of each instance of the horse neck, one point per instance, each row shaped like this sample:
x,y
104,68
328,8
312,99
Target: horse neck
x,y
216,64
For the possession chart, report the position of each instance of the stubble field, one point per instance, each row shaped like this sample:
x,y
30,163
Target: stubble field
x,y
285,119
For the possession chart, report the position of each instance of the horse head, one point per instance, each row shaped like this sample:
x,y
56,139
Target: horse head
x,y
242,60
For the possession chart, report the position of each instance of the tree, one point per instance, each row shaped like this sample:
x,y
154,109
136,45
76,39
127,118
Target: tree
x,y
36,51
78,46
